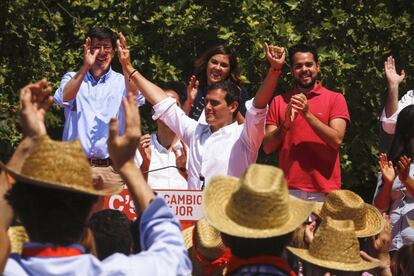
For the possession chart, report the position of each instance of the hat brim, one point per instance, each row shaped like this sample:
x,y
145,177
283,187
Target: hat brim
x,y
216,198
374,223
360,266
60,186
188,236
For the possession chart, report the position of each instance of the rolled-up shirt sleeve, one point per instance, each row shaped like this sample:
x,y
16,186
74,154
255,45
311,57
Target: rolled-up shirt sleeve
x,y
388,123
58,97
174,117
254,128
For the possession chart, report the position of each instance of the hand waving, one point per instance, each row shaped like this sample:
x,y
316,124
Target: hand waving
x,y
403,169
275,55
89,57
391,73
122,148
123,51
386,168
35,99
144,148
192,89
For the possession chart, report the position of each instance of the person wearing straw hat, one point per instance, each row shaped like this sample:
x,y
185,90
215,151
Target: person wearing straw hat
x,y
206,250
222,146
256,217
347,205
334,249
53,205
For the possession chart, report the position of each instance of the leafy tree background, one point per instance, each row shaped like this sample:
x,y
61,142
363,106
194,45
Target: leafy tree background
x,y
44,39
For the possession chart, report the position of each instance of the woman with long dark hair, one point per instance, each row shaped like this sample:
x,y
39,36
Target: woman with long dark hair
x,y
395,187
216,64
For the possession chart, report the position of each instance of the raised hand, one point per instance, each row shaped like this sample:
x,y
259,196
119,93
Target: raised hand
x,y
123,51
192,89
275,55
386,168
403,169
35,99
89,56
122,148
393,78
144,148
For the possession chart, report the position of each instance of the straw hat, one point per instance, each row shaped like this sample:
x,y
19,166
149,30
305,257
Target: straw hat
x,y
255,206
335,246
58,165
17,236
208,240
206,250
344,204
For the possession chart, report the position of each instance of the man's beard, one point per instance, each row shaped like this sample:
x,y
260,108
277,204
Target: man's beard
x,y
306,86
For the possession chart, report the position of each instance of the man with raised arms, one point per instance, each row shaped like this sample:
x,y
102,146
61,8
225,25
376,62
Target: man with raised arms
x,y
91,97
220,147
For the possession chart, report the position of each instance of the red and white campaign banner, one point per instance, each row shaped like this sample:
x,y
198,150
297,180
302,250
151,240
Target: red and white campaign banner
x,y
185,204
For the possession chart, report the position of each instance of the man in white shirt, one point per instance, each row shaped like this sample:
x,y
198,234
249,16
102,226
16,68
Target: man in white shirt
x,y
392,105
220,147
162,156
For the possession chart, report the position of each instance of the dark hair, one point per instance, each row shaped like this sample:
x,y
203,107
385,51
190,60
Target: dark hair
x,y
246,248
200,64
302,48
403,141
51,215
233,92
102,33
111,231
403,261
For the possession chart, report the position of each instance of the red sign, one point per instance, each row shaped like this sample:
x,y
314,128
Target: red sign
x,y
185,204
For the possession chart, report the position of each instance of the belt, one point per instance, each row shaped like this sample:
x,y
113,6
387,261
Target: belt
x,y
100,162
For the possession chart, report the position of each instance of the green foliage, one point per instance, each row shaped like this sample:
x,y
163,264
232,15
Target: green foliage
x,y
44,39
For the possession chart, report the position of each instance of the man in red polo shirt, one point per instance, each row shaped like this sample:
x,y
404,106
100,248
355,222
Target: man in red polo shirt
x,y
306,126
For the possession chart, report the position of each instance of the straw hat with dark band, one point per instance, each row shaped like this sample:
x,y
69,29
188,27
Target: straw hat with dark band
x,y
335,246
58,165
344,204
255,206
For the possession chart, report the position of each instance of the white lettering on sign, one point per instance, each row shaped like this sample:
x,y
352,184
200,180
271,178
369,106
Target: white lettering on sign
x,y
186,205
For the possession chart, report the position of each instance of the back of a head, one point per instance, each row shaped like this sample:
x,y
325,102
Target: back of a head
x,y
102,33
111,230
245,248
403,261
302,48
51,215
404,133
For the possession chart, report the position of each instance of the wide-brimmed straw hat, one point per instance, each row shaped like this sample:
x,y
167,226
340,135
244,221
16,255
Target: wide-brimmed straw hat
x,y
208,240
335,246
255,206
206,249
58,165
17,236
345,204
